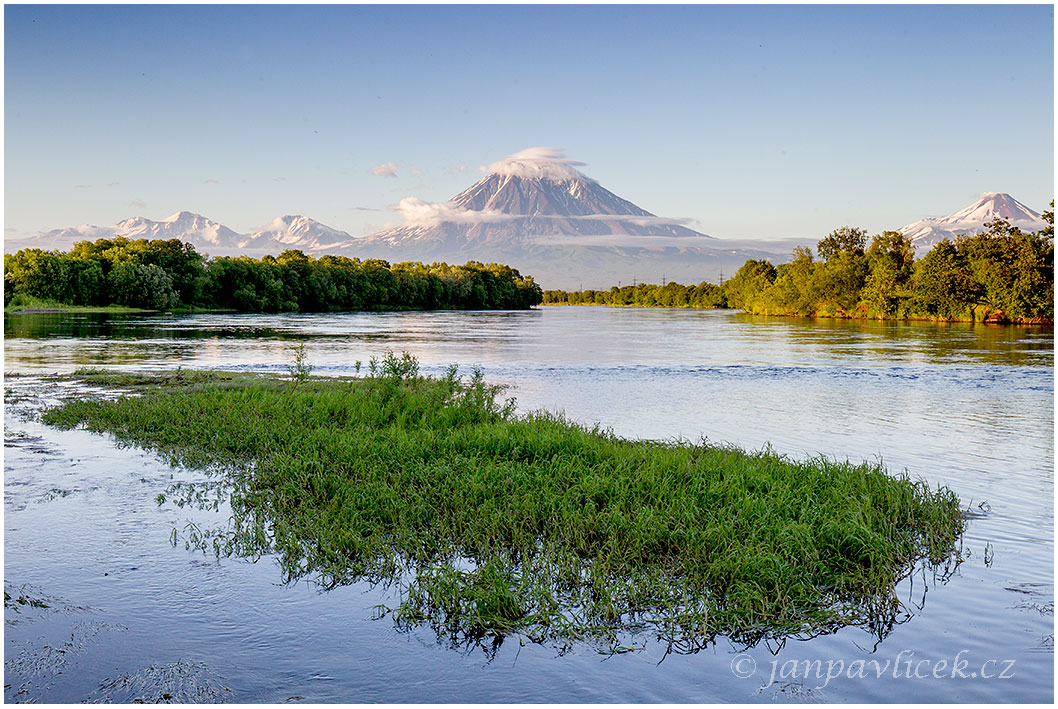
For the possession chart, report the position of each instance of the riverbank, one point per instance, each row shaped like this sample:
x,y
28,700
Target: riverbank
x,y
978,314
29,305
492,523
984,316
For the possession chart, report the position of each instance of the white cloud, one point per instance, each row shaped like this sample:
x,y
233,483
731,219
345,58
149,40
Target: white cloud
x,y
212,181
138,204
414,170
636,219
386,169
778,251
538,162
417,212
627,240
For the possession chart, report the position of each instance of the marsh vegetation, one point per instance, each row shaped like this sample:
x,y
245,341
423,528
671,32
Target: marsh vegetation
x,y
489,523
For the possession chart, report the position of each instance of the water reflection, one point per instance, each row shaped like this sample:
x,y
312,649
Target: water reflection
x,y
578,334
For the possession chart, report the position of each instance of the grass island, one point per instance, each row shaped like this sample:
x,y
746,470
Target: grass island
x,y
490,523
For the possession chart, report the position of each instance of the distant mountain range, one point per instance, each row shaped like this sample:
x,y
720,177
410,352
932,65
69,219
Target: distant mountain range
x,y
289,232
536,212
926,233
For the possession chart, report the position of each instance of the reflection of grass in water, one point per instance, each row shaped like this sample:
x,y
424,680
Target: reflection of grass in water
x,y
30,669
490,523
178,682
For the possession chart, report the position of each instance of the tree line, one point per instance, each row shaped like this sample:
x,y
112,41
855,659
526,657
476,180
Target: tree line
x,y
670,295
1001,274
162,274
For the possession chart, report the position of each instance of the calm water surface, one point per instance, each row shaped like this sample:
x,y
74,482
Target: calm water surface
x,y
971,407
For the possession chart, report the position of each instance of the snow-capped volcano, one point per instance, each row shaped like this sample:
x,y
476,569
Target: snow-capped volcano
x,y
295,232
924,234
536,212
531,197
187,226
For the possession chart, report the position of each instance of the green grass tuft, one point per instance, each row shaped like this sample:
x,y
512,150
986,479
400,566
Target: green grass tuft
x,y
491,523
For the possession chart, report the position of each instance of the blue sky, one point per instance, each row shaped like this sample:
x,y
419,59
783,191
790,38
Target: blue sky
x,y
756,121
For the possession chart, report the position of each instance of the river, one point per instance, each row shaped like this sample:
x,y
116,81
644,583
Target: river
x,y
131,615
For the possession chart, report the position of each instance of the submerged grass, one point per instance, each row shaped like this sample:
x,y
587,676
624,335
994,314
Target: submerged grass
x,y
491,523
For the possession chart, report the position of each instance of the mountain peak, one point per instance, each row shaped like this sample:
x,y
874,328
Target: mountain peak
x,y
992,205
295,230
971,220
532,197
539,163
184,216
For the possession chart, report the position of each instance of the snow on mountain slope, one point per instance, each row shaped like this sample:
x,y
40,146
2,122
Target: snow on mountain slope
x,y
187,226
295,232
924,234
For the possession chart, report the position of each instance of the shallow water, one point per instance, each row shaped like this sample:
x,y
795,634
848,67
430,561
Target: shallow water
x,y
129,614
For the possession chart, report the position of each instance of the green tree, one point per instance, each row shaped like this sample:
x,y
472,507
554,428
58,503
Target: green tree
x,y
141,286
745,288
41,274
844,270
797,286
845,239
890,263
941,284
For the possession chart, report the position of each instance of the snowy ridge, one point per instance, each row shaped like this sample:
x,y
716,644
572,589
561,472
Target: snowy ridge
x,y
186,226
287,232
295,232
